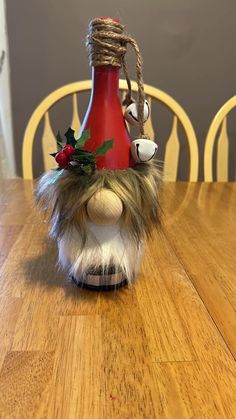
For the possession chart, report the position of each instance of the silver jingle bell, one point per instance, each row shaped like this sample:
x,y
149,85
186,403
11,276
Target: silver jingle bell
x,y
131,113
143,150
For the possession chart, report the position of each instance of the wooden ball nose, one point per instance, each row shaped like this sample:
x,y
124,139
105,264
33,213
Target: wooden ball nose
x,y
105,207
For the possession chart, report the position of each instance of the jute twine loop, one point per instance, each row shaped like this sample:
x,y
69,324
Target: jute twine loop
x,y
107,44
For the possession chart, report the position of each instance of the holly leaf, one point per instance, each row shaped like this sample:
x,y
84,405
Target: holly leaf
x,y
87,169
83,138
59,140
107,145
70,137
83,154
53,154
83,159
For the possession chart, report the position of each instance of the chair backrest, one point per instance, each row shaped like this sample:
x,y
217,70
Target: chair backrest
x,y
172,149
218,132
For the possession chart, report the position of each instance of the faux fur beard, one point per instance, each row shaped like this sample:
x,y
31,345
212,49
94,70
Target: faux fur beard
x,y
81,243
105,247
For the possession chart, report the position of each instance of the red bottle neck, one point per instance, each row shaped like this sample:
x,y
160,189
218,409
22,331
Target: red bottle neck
x,y
105,83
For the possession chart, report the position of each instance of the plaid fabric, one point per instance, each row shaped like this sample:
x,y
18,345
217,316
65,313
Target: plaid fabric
x,y
108,277
101,280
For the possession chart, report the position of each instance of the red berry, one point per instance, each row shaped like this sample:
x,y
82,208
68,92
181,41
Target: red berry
x,y
68,150
62,159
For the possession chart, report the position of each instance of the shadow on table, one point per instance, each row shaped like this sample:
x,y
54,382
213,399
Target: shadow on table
x,y
43,269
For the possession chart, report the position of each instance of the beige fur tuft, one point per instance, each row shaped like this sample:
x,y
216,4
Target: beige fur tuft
x,y
65,200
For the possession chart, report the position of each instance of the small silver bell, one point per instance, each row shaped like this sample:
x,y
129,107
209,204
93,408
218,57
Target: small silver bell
x,y
143,150
131,113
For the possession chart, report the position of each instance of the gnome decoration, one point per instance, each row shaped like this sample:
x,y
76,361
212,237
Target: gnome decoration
x,y
102,199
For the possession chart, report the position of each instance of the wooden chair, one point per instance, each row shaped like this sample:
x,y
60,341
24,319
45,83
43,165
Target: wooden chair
x,y
49,142
218,130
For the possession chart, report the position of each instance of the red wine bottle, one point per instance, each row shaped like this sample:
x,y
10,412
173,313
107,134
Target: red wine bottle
x,y
105,119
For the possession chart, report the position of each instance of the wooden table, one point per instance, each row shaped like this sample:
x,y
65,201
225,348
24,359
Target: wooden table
x,y
163,349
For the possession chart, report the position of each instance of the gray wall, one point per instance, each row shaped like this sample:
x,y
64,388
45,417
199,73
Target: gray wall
x,y
188,49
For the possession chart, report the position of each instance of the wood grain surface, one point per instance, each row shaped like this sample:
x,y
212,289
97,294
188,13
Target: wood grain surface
x,y
164,348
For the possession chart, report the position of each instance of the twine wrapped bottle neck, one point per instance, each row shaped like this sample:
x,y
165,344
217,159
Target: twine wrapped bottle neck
x,y
104,42
107,45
